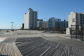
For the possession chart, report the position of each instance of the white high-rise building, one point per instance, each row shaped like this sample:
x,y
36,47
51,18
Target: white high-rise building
x,y
30,19
75,21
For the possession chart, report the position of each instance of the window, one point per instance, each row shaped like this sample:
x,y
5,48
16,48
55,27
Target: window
x,y
73,20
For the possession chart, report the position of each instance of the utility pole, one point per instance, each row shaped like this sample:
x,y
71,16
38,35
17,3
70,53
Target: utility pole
x,y
12,25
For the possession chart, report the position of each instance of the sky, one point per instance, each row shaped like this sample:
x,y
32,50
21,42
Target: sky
x,y
14,10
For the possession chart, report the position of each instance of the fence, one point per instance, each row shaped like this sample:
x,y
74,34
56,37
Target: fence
x,y
77,32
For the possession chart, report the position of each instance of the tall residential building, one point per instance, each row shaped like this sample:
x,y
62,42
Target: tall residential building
x,y
51,23
63,25
75,21
30,19
57,24
39,23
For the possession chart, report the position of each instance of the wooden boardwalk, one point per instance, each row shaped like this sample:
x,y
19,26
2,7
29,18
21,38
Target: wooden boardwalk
x,y
42,47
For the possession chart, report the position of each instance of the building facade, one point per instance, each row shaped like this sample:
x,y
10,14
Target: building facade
x,y
57,24
63,25
51,23
45,25
39,24
30,19
75,21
